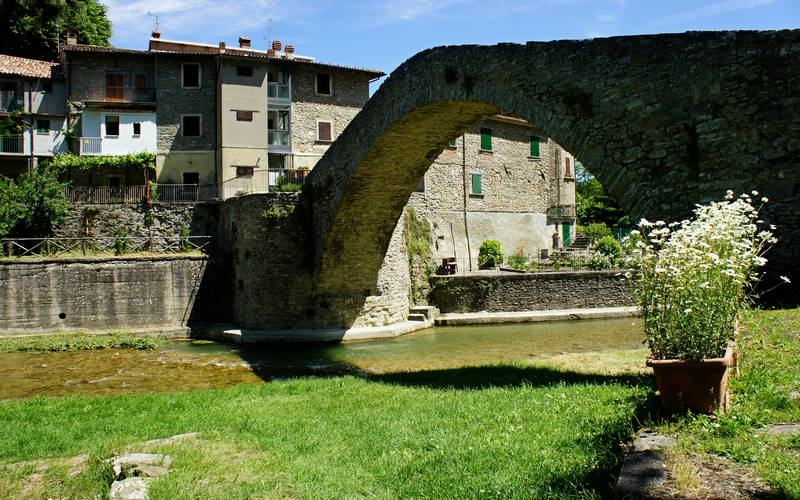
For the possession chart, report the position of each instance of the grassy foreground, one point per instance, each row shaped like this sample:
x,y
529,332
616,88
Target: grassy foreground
x,y
515,430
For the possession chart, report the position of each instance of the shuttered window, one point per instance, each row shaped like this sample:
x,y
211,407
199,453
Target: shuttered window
x,y
486,139
535,147
244,116
477,184
324,131
567,168
115,87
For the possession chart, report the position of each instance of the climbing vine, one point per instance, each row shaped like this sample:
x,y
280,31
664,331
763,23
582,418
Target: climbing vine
x,y
418,246
136,161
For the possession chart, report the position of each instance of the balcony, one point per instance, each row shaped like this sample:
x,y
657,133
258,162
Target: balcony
x,y
12,144
561,212
125,95
278,91
11,101
91,146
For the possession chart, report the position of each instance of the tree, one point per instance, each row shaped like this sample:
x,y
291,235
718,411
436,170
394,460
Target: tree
x,y
33,203
32,28
594,204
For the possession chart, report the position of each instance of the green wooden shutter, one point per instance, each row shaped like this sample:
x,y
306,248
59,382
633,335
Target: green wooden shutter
x,y
565,228
535,146
477,186
486,139
452,144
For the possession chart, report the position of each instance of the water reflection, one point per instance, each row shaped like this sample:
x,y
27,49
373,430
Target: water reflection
x,y
203,365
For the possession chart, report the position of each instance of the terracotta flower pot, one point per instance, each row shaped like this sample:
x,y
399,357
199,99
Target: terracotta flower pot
x,y
700,386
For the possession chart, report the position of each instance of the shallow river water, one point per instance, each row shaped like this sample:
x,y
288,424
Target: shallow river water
x,y
187,365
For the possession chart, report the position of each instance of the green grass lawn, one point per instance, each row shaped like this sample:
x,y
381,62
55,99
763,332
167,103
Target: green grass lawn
x,y
549,429
519,430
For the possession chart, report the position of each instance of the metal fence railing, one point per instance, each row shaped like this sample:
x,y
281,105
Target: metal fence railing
x,y
12,144
105,194
264,181
91,145
103,245
166,193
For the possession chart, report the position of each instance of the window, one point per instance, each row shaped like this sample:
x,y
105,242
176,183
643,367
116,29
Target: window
x,y
140,82
477,184
112,125
244,171
137,129
324,86
42,126
244,71
452,143
324,131
535,150
115,87
567,168
191,178
244,116
191,76
486,139
191,126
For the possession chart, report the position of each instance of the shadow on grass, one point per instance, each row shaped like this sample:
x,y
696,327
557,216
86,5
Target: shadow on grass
x,y
506,375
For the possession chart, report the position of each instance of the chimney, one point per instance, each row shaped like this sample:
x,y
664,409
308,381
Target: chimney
x,y
155,34
271,53
290,52
244,42
72,36
276,45
222,47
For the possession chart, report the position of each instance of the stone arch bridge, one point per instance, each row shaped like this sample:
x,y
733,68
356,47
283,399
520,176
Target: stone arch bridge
x,y
663,121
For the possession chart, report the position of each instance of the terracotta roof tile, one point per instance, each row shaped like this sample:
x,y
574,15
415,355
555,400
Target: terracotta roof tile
x,y
34,68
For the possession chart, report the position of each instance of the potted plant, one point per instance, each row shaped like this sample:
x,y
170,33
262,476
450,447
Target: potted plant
x,y
692,281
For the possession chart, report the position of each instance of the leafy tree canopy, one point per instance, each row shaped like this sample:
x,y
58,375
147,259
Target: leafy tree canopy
x,y
32,28
594,204
32,204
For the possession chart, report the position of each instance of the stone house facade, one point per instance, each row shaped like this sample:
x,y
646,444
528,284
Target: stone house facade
x,y
35,89
502,180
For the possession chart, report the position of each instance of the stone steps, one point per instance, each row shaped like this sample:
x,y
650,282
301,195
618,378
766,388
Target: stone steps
x,y
422,313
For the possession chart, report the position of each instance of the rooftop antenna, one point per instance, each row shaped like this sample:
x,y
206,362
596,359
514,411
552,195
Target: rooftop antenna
x,y
268,38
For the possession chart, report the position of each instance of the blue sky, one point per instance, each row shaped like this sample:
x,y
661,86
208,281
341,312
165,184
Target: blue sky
x,y
381,35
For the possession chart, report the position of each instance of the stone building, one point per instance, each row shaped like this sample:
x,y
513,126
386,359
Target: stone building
x,y
502,180
277,111
36,90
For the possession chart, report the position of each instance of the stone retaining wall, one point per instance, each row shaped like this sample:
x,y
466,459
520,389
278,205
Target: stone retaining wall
x,y
530,292
71,294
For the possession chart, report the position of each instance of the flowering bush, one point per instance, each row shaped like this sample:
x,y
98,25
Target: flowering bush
x,y
693,279
518,260
599,261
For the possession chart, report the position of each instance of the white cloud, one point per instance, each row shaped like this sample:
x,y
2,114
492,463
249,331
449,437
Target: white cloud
x,y
407,10
193,20
711,10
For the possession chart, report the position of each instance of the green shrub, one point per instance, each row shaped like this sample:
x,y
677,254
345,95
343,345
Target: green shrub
x,y
121,242
490,254
608,246
595,231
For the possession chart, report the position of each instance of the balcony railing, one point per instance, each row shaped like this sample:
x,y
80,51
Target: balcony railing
x,y
14,144
128,94
166,193
562,211
278,138
91,145
264,181
277,91
11,101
